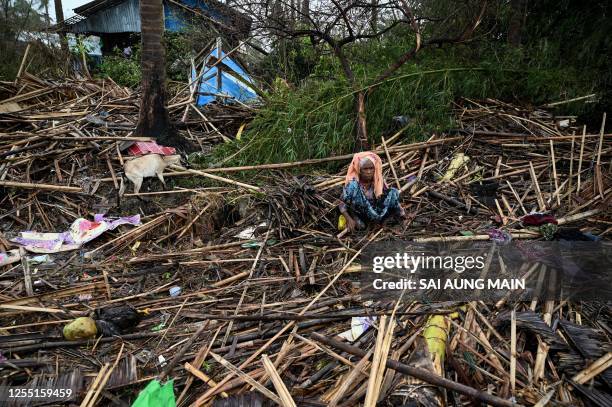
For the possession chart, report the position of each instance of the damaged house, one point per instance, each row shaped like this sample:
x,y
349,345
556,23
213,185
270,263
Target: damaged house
x,y
115,20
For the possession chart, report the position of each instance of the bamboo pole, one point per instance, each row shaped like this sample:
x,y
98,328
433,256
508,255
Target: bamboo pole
x,y
236,370
536,186
421,374
200,375
554,166
312,161
23,62
571,174
580,158
217,178
289,325
349,379
372,390
391,163
45,187
595,368
598,175
280,387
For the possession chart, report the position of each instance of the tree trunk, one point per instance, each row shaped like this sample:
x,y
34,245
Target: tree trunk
x,y
515,25
361,131
374,21
305,10
59,12
153,120
59,18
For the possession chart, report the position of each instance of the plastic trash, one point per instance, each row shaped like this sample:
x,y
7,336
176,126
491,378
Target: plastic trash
x,y
109,321
255,245
401,120
156,395
459,160
81,231
81,328
341,222
12,256
161,360
117,319
499,236
358,326
249,233
158,327
175,291
42,258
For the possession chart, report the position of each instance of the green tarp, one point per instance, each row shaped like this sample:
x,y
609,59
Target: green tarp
x,y
156,395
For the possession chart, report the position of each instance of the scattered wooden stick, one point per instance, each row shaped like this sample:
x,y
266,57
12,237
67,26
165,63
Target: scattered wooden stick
x,y
390,163
595,368
421,374
580,158
598,175
217,178
44,187
281,389
235,370
554,166
536,186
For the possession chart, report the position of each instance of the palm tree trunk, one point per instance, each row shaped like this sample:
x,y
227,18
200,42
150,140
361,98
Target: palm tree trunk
x,y
59,18
59,12
153,120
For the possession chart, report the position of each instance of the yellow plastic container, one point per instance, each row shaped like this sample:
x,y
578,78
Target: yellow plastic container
x,y
80,328
341,222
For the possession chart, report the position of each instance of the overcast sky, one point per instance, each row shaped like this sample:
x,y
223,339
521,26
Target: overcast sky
x,y
68,5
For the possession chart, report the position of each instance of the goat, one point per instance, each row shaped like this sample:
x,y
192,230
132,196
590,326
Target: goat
x,y
148,166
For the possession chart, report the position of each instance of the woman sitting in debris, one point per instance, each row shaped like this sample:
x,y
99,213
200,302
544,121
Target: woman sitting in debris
x,y
366,197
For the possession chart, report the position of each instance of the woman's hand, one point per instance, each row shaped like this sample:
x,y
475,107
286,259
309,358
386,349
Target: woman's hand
x,y
402,213
351,225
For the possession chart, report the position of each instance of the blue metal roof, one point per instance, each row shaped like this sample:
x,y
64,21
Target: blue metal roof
x,y
240,89
118,16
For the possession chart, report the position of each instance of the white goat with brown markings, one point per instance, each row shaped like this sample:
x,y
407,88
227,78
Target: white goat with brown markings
x,y
148,166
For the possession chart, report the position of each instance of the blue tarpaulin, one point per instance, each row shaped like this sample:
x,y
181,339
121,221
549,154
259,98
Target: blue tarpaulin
x,y
236,85
176,18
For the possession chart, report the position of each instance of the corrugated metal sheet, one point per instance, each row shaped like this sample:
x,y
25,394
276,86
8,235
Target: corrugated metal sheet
x,y
117,16
177,18
123,17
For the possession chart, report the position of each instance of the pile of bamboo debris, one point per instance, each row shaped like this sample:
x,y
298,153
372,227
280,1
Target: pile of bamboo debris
x,y
242,288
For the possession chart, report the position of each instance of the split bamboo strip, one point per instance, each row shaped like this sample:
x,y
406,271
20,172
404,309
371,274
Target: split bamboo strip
x,y
281,389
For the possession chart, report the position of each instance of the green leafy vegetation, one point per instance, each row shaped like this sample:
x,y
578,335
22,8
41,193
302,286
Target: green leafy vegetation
x,y
558,51
317,120
123,70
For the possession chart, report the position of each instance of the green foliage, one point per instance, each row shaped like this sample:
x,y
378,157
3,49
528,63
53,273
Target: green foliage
x,y
178,50
179,47
563,52
123,70
317,119
293,60
19,19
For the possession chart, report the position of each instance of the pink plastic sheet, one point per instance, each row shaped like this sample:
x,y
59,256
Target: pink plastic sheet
x,y
81,231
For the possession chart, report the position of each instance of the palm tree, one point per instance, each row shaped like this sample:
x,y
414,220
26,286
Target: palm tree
x,y
59,11
153,120
59,18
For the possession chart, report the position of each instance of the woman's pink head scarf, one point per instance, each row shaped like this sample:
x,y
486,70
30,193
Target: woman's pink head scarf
x,y
353,170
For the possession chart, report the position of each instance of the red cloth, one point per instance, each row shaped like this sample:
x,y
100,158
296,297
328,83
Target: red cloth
x,y
538,219
146,147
